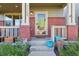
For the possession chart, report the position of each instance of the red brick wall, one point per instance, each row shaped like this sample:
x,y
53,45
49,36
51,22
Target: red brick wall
x,y
55,21
25,31
1,23
51,21
32,26
78,26
78,21
72,32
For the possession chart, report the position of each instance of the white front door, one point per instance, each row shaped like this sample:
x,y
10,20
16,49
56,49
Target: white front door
x,y
41,23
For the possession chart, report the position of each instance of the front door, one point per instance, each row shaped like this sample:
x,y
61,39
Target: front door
x,y
41,23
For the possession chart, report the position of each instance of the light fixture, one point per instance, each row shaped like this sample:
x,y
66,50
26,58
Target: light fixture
x,y
16,6
31,12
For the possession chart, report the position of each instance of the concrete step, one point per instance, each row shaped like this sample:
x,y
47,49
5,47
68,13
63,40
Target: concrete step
x,y
34,38
38,42
41,48
42,53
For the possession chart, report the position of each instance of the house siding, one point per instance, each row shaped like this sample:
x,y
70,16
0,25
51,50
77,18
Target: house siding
x,y
51,21
52,11
72,30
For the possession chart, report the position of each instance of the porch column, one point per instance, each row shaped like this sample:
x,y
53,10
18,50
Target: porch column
x,y
71,14
72,28
27,13
23,14
25,27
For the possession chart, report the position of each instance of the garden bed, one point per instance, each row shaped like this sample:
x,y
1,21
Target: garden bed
x,y
71,49
14,49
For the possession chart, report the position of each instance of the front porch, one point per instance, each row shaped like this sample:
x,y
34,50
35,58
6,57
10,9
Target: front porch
x,y
41,20
30,25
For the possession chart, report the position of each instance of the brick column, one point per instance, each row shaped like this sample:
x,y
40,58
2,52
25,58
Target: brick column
x,y
25,32
72,32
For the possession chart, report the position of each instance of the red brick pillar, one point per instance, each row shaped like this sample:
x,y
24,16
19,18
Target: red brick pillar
x,y
25,32
72,32
1,22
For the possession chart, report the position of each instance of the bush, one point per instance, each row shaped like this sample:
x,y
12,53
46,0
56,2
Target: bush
x,y
71,50
8,49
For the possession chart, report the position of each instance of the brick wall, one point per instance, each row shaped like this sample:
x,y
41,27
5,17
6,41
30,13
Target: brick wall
x,y
72,32
55,21
25,31
1,23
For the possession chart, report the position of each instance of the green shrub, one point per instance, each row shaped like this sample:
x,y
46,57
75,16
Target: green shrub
x,y
71,50
14,50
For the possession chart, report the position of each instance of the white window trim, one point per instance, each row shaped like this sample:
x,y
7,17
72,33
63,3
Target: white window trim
x,y
53,32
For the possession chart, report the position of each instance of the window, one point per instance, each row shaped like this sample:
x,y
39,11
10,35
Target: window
x,y
8,21
58,30
17,22
12,20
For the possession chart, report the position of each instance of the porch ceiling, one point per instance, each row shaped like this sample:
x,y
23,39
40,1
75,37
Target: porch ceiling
x,y
48,5
10,8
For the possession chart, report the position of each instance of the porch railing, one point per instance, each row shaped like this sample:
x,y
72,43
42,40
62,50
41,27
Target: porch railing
x,y
9,31
58,30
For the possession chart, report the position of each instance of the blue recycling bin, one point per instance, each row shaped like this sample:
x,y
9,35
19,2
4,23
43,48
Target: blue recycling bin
x,y
57,38
49,43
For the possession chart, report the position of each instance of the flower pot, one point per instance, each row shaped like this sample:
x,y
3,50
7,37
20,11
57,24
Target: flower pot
x,y
8,39
59,43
